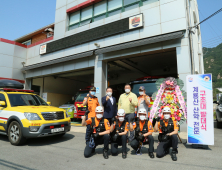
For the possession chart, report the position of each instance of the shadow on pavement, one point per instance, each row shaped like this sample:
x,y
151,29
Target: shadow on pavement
x,y
49,140
4,138
12,165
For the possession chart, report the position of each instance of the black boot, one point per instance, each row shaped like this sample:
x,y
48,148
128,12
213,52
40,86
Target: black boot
x,y
105,154
93,150
174,156
151,154
124,155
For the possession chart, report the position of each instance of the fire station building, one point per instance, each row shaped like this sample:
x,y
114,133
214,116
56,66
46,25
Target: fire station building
x,y
106,42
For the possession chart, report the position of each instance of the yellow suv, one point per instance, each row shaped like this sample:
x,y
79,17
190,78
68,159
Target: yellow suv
x,y
24,115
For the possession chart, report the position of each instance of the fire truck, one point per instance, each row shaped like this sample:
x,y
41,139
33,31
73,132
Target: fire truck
x,y
149,83
79,97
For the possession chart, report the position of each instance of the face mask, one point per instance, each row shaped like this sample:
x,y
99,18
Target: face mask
x,y
166,116
121,119
93,93
109,94
127,90
99,116
142,117
141,93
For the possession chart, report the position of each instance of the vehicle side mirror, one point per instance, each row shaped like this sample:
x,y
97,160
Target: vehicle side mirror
x,y
2,103
49,103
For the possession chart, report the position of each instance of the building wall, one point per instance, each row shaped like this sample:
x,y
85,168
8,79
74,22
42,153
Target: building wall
x,y
160,17
38,37
11,58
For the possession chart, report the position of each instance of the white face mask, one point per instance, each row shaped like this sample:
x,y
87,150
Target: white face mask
x,y
109,94
142,117
99,116
141,93
127,90
167,116
121,119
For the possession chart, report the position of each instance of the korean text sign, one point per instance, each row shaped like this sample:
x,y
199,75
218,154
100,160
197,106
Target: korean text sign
x,y
200,121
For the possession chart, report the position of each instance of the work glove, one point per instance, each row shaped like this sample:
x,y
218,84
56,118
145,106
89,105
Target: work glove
x,y
87,112
96,135
141,138
113,120
165,138
115,137
132,120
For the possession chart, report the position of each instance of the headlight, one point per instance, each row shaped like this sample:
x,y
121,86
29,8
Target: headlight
x,y
32,116
67,114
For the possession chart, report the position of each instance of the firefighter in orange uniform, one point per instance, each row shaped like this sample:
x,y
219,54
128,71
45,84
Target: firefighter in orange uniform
x,y
119,129
100,130
92,102
143,133
168,130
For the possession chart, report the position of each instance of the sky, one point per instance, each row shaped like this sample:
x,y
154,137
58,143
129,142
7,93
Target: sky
x,y
20,17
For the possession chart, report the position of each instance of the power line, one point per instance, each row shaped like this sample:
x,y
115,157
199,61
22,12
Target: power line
x,y
217,12
210,25
212,40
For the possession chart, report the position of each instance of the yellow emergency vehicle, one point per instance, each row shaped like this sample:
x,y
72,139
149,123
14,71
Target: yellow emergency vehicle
x,y
24,115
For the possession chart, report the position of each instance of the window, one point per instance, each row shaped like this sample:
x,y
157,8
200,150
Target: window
x,y
114,4
2,97
103,9
127,2
86,13
25,100
29,42
100,8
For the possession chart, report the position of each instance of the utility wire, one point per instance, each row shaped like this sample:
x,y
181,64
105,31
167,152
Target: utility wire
x,y
217,12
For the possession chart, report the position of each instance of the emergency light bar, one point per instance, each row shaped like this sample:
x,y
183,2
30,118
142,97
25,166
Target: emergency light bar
x,y
16,90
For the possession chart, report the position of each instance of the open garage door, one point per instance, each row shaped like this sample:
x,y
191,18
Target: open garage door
x,y
142,69
66,90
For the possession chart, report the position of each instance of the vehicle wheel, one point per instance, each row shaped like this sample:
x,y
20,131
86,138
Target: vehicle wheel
x,y
219,124
15,135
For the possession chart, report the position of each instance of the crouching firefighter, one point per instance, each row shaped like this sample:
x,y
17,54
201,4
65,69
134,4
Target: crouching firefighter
x,y
143,133
168,130
100,130
119,129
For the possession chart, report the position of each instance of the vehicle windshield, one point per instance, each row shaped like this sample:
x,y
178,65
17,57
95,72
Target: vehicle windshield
x,y
26,100
150,88
81,95
70,102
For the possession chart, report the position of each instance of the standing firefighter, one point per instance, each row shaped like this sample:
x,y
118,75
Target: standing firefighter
x,y
92,102
119,129
100,130
168,130
143,133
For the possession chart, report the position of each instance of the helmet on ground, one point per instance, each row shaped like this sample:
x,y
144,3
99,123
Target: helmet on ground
x,y
166,109
121,112
99,109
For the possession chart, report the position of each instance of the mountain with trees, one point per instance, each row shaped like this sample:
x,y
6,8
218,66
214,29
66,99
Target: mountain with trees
x,y
213,64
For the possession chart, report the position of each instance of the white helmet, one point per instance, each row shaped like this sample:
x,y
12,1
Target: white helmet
x,y
143,111
121,112
99,109
166,109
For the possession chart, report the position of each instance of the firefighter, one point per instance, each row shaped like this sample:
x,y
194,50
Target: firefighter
x,y
143,133
119,129
92,102
168,130
100,130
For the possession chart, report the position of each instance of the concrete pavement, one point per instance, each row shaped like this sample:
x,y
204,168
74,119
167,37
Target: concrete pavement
x,y
52,153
